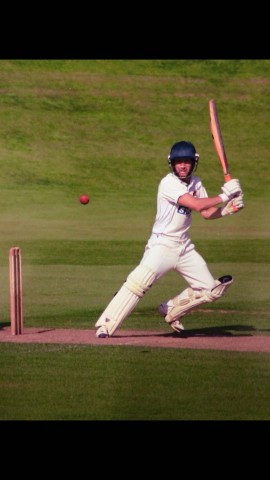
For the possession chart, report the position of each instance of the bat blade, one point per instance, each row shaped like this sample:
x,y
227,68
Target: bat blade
x,y
218,141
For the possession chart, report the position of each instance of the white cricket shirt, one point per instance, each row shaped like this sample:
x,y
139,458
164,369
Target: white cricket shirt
x,y
173,219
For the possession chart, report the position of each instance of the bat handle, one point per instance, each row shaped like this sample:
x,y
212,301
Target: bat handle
x,y
227,177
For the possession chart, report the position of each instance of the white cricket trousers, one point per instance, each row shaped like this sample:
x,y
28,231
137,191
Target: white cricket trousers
x,y
163,254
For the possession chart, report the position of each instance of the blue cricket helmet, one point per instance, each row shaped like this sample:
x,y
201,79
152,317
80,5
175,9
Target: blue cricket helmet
x,y
182,150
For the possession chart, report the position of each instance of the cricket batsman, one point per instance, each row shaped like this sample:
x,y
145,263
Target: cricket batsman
x,y
169,246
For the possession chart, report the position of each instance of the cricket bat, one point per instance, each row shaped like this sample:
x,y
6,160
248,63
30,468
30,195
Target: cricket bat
x,y
218,141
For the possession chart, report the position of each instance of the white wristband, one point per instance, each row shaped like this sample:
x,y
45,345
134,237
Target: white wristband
x,y
224,197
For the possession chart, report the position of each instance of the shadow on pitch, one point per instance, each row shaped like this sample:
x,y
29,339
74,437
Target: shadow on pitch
x,y
218,331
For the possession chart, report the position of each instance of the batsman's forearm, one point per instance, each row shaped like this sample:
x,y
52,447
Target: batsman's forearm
x,y
199,204
211,213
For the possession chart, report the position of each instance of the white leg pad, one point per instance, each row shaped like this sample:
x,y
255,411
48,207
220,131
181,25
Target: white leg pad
x,y
126,299
122,304
140,280
190,299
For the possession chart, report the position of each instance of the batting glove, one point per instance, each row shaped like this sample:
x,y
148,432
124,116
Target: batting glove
x,y
233,206
230,189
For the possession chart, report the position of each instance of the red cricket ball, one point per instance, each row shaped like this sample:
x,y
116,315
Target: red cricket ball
x,y
84,199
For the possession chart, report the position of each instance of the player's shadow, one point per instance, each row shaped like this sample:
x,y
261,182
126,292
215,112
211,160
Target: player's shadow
x,y
221,331
218,331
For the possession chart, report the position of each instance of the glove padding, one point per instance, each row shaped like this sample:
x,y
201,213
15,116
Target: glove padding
x,y
231,189
233,206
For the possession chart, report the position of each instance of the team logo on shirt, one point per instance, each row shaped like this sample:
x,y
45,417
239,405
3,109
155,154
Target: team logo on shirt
x,y
183,210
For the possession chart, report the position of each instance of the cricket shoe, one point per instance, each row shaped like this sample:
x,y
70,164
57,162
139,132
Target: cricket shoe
x,y
177,326
164,309
102,332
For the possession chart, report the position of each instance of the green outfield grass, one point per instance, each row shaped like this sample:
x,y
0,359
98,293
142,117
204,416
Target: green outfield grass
x,y
105,128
